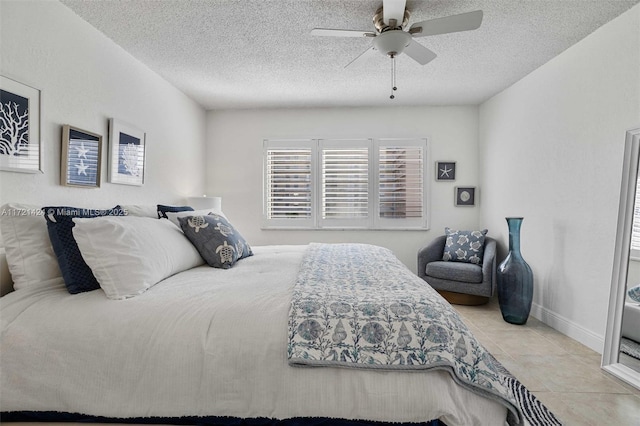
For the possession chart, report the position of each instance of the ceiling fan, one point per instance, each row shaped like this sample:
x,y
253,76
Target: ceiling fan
x,y
391,39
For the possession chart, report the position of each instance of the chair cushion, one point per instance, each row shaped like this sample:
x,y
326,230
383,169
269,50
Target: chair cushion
x,y
464,246
455,271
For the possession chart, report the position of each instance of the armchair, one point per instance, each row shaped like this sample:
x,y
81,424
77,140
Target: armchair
x,y
459,282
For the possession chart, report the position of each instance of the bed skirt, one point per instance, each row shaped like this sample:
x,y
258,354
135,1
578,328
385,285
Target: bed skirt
x,y
51,416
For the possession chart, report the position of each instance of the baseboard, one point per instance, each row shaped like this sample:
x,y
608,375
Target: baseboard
x,y
568,328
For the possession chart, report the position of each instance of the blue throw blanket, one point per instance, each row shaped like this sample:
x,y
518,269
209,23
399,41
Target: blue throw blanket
x,y
358,306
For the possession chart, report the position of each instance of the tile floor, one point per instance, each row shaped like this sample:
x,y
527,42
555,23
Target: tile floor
x,y
564,374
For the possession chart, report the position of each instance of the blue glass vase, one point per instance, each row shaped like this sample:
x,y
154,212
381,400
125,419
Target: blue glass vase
x,y
515,279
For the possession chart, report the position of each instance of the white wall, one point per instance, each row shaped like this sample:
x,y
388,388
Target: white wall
x,y
548,148
551,150
234,165
86,79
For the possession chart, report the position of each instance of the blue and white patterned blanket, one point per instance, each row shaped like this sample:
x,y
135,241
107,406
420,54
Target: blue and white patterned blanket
x,y
358,306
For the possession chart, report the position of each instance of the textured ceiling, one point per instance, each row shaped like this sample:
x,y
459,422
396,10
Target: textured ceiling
x,y
258,53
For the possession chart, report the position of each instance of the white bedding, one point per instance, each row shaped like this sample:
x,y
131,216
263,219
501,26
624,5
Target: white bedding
x,y
185,348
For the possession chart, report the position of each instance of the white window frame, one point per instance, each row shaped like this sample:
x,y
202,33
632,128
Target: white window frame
x,y
354,223
634,249
373,221
290,223
407,223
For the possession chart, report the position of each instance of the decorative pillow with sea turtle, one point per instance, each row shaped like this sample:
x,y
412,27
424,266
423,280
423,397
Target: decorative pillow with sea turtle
x,y
464,246
634,293
217,241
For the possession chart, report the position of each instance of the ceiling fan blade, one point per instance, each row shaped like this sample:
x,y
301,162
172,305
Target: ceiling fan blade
x,y
393,9
450,24
360,56
419,53
341,33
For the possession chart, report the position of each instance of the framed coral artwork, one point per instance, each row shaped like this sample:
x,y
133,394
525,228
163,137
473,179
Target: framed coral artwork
x,y
20,146
126,153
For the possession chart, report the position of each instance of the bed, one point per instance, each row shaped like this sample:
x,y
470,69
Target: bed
x,y
214,345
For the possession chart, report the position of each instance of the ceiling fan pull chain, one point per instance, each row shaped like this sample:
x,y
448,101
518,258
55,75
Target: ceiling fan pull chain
x,y
393,76
394,73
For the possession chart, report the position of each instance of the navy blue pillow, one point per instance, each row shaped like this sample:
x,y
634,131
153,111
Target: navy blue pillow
x,y
163,210
77,275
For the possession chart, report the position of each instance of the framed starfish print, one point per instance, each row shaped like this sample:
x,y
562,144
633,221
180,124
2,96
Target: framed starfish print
x,y
126,153
81,158
445,170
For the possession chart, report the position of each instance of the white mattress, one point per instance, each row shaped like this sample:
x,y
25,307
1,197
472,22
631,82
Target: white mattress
x,y
186,347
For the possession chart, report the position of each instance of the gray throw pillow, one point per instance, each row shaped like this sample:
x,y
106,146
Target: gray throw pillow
x,y
464,246
634,293
217,241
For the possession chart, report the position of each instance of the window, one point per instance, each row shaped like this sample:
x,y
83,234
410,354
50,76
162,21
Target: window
x,y
635,229
344,177
288,183
401,189
345,184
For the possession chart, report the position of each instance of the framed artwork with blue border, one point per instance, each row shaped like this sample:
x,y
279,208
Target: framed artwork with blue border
x,y
81,158
20,147
126,153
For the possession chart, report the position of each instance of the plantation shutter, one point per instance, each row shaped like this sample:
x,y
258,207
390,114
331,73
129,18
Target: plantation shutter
x,y
345,183
288,184
635,231
401,189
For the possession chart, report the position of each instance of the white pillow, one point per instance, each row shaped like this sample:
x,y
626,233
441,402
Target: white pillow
x,y
173,216
141,210
130,254
30,257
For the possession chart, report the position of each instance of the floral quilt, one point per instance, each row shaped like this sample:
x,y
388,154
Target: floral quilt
x,y
358,306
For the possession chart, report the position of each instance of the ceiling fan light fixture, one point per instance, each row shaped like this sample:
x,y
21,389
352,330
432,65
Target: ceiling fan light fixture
x,y
391,39
392,42
382,26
